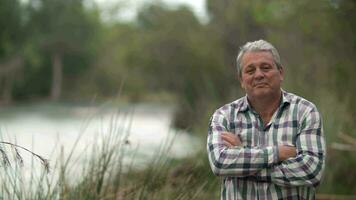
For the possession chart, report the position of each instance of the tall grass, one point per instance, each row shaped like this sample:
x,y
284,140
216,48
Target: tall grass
x,y
109,170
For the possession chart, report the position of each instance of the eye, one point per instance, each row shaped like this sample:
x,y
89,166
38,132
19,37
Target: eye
x,y
249,70
266,67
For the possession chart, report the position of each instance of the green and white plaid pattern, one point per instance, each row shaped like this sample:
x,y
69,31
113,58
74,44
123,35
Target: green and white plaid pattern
x,y
252,171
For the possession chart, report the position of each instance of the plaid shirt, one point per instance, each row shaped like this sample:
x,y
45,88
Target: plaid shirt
x,y
252,171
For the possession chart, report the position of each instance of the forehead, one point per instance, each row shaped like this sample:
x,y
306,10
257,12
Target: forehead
x,y
256,57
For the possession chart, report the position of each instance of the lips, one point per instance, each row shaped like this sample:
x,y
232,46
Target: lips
x,y
260,85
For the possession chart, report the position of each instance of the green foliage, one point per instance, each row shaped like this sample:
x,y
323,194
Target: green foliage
x,y
61,25
168,52
11,32
46,28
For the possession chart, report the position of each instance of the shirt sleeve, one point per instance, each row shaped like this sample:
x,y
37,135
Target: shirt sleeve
x,y
307,167
237,161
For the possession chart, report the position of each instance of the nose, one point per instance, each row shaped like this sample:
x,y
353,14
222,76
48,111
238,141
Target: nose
x,y
259,73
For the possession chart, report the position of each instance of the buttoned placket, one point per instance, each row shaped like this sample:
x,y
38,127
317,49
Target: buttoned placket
x,y
263,130
260,189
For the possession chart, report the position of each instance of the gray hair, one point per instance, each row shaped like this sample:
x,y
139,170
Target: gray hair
x,y
259,45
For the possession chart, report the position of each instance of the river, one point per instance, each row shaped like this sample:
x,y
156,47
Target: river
x,y
62,130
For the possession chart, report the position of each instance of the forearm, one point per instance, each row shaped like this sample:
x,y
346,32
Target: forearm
x,y
307,167
303,170
240,161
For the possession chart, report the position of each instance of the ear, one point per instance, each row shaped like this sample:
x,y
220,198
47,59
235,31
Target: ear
x,y
281,72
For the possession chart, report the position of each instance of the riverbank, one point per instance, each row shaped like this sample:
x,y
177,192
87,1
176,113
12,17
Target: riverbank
x,y
105,176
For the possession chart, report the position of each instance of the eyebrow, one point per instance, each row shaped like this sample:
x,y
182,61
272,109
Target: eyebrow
x,y
249,66
263,63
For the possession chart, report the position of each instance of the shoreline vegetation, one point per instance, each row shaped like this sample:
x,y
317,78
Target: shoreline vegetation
x,y
108,171
104,175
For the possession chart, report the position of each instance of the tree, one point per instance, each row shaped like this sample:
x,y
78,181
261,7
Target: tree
x,y
180,55
62,28
11,39
234,23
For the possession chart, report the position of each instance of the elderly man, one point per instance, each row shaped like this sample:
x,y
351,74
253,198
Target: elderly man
x,y
268,144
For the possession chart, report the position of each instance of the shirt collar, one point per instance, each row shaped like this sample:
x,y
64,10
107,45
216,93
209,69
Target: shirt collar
x,y
286,99
245,105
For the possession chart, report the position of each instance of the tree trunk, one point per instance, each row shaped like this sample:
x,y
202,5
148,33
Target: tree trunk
x,y
56,76
8,72
7,89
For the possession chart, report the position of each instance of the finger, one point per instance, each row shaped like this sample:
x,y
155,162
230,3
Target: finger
x,y
228,144
228,138
226,132
231,138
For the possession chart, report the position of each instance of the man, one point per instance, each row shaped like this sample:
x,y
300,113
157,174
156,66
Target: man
x,y
268,144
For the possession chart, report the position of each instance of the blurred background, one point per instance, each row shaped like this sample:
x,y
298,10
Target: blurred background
x,y
175,60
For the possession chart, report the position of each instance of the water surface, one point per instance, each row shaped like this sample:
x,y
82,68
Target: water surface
x,y
56,131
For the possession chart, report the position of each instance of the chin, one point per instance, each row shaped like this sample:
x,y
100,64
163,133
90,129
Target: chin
x,y
261,93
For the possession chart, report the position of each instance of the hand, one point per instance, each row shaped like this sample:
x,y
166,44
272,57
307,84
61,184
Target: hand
x,y
286,152
230,139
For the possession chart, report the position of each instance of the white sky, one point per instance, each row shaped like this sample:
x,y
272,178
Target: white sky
x,y
128,8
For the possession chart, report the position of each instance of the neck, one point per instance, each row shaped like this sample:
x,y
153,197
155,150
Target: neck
x,y
266,107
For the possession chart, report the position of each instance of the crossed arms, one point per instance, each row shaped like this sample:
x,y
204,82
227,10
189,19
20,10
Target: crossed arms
x,y
301,165
284,151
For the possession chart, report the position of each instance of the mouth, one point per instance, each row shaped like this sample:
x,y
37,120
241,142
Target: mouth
x,y
258,85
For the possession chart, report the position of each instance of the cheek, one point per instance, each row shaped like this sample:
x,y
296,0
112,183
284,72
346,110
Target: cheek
x,y
279,78
246,84
243,82
248,81
275,78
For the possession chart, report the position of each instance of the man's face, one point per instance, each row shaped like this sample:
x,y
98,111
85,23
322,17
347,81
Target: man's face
x,y
260,76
